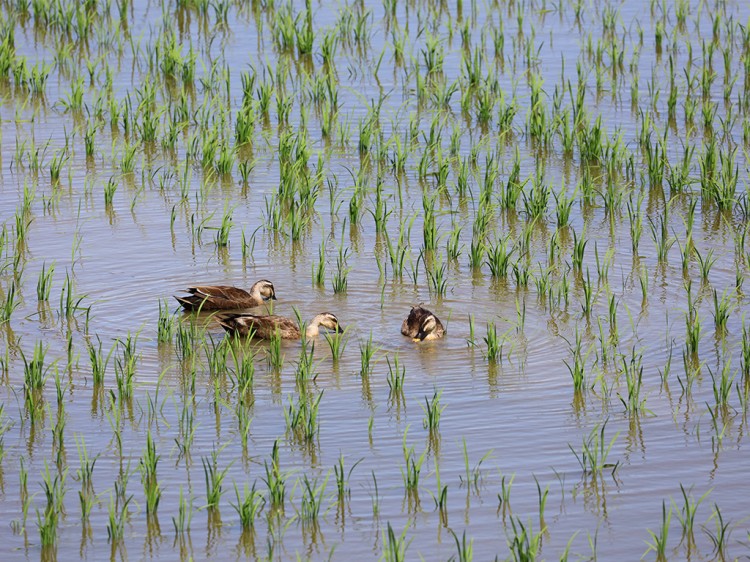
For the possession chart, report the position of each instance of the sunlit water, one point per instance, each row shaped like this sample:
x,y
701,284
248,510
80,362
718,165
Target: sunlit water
x,y
515,424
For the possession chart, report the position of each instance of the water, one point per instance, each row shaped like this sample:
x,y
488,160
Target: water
x,y
516,423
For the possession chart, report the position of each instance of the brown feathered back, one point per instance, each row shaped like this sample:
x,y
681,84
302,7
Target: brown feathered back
x,y
422,324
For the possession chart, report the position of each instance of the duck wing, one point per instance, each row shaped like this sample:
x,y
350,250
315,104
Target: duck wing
x,y
215,297
219,292
260,326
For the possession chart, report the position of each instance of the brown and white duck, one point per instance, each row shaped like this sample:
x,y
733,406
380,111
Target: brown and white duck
x,y
224,297
266,327
421,325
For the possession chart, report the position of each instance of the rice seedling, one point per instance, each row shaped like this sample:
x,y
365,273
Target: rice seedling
x,y
719,425
660,234
84,474
55,167
720,536
453,245
658,542
588,295
114,417
412,471
633,370
5,425
429,227
397,253
217,355
147,466
394,547
498,257
692,370
214,480
706,263
722,383
432,411
302,417
337,343
477,250
34,406
687,252
436,276
523,543
70,303
577,367
464,551
249,506
319,267
396,376
127,161
312,499
98,361
58,434
367,351
23,488
184,516
343,491
643,282
10,304
186,430
522,275
722,309
542,500
441,498
686,513
243,371
44,282
535,203
494,344
124,366
34,371
473,476
305,366
340,282
579,247
595,451
692,324
223,230
564,205
226,158
54,493
274,355
745,351
166,324
275,480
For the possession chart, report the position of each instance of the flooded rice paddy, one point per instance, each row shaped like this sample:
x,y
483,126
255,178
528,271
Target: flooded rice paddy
x,y
564,184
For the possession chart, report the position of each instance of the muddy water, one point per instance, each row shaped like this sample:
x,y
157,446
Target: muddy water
x,y
506,425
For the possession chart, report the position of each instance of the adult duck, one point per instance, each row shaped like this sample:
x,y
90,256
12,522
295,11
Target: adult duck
x,y
421,325
224,297
266,327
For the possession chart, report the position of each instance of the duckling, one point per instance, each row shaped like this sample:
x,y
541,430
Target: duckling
x,y
421,324
266,327
223,297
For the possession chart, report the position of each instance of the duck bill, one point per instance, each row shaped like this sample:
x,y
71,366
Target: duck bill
x,y
339,330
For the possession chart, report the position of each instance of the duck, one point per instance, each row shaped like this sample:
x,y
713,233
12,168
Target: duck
x,y
224,297
266,327
421,325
